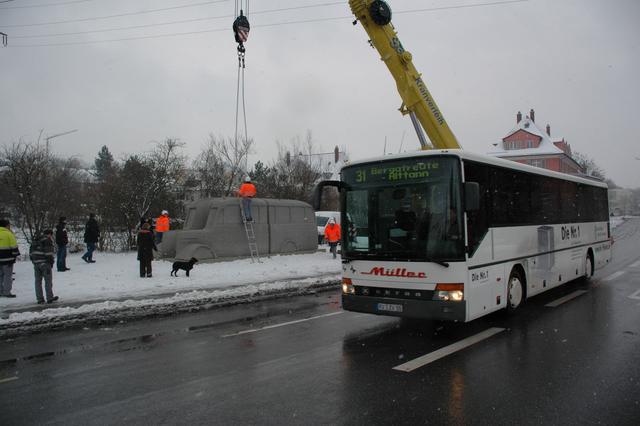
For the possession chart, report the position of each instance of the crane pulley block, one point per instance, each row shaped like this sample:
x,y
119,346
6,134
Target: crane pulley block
x,y
241,29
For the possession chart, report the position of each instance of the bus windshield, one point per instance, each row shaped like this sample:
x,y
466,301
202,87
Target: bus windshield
x,y
405,209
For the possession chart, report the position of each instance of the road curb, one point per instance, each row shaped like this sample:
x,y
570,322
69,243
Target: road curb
x,y
164,307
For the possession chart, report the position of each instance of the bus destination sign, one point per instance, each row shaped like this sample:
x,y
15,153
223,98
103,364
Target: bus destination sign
x,y
395,172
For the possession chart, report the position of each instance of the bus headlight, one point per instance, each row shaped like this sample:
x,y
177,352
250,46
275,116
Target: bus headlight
x,y
347,286
449,292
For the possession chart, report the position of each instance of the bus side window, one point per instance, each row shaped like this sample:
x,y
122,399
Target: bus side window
x,y
478,220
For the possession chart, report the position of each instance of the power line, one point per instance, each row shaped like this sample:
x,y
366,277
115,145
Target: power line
x,y
304,21
42,5
463,6
96,18
76,43
132,27
184,21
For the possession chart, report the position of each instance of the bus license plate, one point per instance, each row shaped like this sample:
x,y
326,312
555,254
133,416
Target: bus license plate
x,y
389,307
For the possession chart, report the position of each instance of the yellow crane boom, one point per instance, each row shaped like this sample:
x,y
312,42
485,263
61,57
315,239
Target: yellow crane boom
x,y
375,17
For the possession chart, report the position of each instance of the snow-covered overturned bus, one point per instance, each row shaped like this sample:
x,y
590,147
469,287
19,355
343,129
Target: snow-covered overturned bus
x,y
448,234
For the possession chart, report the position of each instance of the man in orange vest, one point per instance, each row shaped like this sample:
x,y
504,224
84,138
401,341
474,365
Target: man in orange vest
x,y
332,234
162,225
247,192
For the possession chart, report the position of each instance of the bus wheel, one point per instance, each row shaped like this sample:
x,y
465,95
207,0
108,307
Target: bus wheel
x,y
588,267
515,291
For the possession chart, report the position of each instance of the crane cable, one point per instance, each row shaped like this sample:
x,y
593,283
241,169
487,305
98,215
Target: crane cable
x,y
241,32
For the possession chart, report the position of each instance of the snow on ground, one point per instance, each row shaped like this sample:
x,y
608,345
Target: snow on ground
x,y
105,285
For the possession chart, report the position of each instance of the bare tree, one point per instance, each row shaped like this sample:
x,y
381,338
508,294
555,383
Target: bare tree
x,y
209,172
589,166
294,172
141,183
40,186
167,165
233,154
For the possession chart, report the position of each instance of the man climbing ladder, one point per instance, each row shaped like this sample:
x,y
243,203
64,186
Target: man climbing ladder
x,y
247,191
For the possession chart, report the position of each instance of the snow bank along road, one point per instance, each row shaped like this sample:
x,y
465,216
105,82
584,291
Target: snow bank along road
x,y
111,290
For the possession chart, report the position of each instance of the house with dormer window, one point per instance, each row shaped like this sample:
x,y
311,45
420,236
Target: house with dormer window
x,y
526,143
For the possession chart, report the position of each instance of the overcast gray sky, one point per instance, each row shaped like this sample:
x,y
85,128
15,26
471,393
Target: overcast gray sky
x,y
576,62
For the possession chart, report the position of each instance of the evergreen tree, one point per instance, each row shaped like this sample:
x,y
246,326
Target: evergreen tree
x,y
104,163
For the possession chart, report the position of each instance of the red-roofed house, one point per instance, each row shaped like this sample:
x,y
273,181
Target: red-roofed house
x,y
527,144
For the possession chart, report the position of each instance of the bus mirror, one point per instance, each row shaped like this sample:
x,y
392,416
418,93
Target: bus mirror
x,y
471,196
318,191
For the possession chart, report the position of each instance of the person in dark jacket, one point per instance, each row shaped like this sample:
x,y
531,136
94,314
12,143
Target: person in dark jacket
x,y
42,256
91,237
146,245
62,239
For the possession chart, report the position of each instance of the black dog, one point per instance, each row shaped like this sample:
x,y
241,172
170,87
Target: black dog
x,y
187,266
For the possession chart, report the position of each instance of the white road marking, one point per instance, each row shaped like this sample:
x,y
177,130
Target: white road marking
x,y
447,350
253,330
9,379
635,264
614,276
635,295
566,298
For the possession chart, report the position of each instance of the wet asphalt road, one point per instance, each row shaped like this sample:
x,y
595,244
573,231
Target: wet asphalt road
x,y
577,363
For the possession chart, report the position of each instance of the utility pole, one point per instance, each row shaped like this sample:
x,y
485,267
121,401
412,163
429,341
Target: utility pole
x,y
55,136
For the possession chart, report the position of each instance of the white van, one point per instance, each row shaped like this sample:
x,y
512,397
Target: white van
x,y
321,220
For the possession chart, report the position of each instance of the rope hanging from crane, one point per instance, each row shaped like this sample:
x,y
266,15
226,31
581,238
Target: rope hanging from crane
x,y
241,29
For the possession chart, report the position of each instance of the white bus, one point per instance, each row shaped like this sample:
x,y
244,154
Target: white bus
x,y
446,234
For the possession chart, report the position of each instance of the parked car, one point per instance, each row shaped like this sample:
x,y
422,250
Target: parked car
x,y
321,220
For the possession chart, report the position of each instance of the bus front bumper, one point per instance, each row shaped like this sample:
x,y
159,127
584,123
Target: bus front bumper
x,y
407,308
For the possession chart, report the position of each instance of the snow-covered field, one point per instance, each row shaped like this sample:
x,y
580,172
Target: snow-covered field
x,y
113,283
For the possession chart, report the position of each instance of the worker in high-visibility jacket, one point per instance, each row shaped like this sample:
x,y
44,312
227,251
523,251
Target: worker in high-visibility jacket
x,y
247,191
332,235
8,254
162,225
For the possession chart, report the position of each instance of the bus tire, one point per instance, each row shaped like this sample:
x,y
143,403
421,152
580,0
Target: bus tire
x,y
515,290
588,266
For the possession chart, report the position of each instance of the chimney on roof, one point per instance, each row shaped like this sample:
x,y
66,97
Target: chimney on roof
x,y
336,154
532,115
518,117
548,130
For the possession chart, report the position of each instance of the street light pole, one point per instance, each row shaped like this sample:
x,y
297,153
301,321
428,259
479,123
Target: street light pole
x,y
55,136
